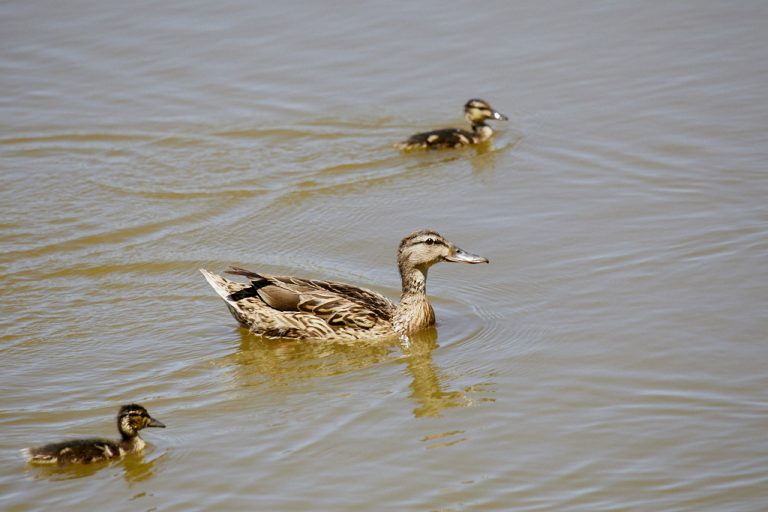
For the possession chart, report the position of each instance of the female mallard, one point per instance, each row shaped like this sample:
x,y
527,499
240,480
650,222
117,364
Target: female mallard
x,y
130,419
476,111
289,307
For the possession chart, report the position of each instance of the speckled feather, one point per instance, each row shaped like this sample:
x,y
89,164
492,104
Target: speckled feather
x,y
78,451
130,419
435,139
291,307
476,112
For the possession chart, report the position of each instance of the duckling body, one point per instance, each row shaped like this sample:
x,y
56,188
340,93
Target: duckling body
x,y
291,307
130,419
476,111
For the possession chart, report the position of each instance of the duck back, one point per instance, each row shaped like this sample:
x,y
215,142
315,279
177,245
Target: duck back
x,y
80,451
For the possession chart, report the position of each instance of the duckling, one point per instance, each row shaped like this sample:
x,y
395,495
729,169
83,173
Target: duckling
x,y
130,419
476,112
291,307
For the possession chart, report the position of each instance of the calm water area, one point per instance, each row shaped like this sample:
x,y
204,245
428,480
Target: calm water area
x,y
612,356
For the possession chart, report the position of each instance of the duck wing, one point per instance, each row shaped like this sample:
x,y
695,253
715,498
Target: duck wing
x,y
338,304
445,138
78,451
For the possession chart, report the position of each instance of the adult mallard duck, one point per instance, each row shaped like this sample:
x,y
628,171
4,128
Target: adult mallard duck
x,y
290,307
477,112
130,419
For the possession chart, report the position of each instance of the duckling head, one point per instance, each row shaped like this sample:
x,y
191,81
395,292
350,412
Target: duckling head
x,y
422,249
478,111
133,417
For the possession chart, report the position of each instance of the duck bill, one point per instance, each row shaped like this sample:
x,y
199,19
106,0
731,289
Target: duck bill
x,y
154,423
500,116
460,256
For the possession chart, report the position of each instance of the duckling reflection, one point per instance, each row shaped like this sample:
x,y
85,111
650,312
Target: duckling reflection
x,y
136,468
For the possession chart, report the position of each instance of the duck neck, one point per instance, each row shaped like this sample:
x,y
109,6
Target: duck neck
x,y
414,280
482,131
131,441
414,311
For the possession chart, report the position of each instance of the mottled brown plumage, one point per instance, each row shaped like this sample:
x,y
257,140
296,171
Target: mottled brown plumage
x,y
476,111
130,419
291,307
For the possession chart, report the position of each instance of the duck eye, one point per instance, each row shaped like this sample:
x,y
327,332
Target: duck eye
x,y
430,241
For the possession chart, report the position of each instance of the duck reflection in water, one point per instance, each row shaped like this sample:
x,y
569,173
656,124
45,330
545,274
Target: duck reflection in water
x,y
136,467
427,390
261,361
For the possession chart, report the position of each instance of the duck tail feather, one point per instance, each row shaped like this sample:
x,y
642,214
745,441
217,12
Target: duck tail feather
x,y
239,271
218,283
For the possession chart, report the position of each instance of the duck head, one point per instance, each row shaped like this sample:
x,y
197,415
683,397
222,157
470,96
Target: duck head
x,y
133,417
422,249
478,111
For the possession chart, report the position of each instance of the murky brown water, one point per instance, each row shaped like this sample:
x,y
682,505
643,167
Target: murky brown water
x,y
613,356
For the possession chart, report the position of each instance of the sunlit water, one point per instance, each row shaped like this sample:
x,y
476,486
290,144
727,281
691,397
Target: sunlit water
x,y
612,356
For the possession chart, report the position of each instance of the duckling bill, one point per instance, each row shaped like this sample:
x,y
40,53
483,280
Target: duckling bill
x,y
291,307
476,111
130,419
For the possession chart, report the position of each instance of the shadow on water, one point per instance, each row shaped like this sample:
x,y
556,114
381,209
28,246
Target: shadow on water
x,y
260,360
135,467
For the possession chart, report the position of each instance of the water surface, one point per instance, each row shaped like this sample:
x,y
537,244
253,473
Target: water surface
x,y
611,357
